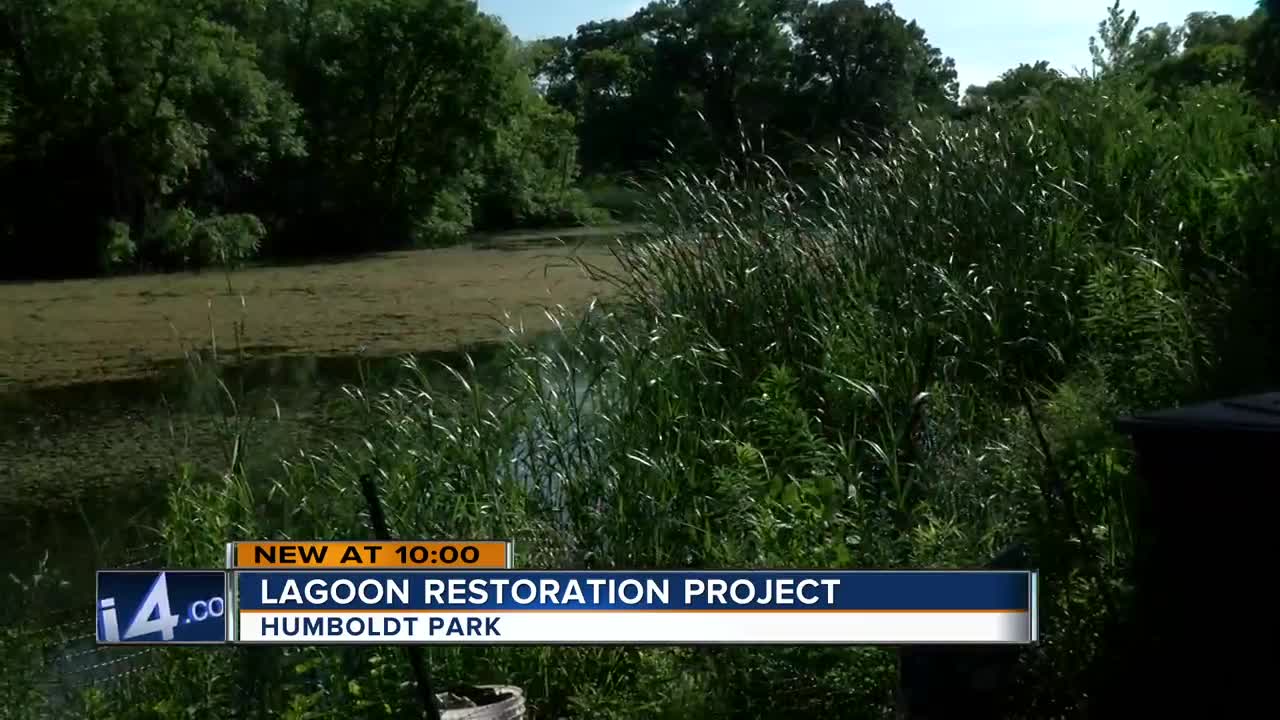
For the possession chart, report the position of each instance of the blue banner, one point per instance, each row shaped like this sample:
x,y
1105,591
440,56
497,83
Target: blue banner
x,y
885,591
161,606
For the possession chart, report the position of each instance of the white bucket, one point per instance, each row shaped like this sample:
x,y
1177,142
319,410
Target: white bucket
x,y
510,707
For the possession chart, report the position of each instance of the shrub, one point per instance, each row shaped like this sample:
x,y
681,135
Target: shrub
x,y
227,240
118,249
448,220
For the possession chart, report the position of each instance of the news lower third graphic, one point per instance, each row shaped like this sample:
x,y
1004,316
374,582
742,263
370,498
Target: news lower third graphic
x,y
420,555
428,592
625,607
161,607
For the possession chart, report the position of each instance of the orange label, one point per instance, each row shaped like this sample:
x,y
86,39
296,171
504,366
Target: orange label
x,y
420,555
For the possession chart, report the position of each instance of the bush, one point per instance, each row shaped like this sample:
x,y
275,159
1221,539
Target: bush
x,y
168,239
227,240
449,219
624,200
180,239
118,249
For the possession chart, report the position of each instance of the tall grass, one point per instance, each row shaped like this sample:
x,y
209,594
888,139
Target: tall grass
x,y
907,354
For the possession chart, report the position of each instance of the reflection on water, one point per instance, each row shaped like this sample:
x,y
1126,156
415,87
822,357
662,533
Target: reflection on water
x,y
93,508
85,466
572,434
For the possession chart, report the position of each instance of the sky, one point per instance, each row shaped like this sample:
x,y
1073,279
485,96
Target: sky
x,y
986,37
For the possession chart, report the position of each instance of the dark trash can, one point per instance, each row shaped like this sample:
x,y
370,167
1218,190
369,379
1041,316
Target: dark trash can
x,y
1206,521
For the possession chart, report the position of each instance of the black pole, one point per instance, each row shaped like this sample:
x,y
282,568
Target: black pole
x,y
419,668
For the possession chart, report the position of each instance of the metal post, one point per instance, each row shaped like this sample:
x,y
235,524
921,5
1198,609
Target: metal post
x,y
420,674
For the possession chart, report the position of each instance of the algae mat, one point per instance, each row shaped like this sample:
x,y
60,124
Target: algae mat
x,y
92,331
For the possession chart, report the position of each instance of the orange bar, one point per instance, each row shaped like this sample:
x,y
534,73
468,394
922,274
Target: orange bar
x,y
420,555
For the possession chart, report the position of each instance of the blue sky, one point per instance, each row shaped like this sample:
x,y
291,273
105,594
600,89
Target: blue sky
x,y
986,37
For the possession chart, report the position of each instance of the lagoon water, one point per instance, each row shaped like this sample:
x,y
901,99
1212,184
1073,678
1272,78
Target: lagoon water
x,y
85,465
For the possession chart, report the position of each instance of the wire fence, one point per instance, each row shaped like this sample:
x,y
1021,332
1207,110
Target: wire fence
x,y
69,640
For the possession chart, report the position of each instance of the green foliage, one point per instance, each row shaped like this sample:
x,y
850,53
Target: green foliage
x,y
1141,334
1264,52
147,106
1208,48
1214,50
531,176
859,65
170,237
449,218
351,125
118,249
712,77
180,239
228,240
340,126
423,85
1025,84
905,352
1113,49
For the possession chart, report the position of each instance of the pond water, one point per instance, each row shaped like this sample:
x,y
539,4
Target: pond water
x,y
89,509
84,466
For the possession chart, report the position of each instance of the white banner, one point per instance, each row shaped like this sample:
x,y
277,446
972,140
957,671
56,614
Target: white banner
x,y
561,627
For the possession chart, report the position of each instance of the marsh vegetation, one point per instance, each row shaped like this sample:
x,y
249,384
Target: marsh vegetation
x,y
902,348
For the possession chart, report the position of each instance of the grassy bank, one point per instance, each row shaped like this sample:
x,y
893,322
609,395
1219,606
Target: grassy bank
x,y
912,359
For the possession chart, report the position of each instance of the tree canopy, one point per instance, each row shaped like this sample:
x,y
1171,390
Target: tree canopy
x,y
181,133
186,133
707,76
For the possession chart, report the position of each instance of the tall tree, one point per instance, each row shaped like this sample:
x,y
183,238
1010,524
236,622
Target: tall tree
x,y
1263,49
1025,84
123,110
707,75
1113,49
859,64
735,57
695,73
1207,48
1213,51
402,101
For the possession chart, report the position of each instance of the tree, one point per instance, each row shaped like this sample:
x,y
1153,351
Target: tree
x,y
710,76
1024,84
1208,48
1156,46
126,110
1213,51
1263,52
529,178
402,100
859,64
693,72
734,61
1113,48
185,131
